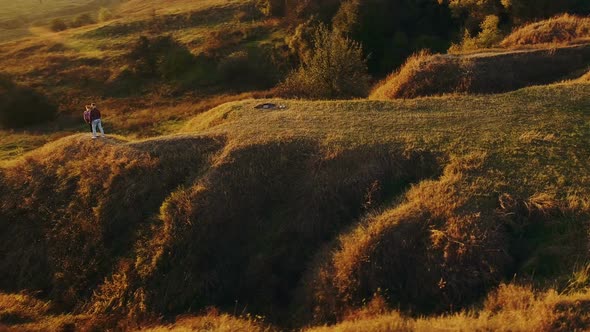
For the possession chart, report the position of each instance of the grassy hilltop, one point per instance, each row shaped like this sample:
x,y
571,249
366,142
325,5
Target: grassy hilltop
x,y
456,196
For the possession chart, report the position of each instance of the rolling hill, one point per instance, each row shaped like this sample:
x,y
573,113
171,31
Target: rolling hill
x,y
464,207
303,214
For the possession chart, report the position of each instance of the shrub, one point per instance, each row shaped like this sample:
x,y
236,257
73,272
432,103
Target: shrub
x,y
271,7
474,12
336,69
173,59
82,20
300,43
58,25
489,36
254,68
159,57
104,14
21,106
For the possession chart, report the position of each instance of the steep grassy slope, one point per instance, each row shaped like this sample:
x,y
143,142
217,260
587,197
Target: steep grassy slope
x,y
306,213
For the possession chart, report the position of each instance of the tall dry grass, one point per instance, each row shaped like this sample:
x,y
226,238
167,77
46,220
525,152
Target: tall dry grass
x,y
509,308
559,30
246,230
426,74
103,193
432,252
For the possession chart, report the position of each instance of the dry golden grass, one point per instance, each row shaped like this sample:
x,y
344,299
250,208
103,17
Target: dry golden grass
x,y
213,322
455,252
425,74
559,30
509,308
19,308
252,205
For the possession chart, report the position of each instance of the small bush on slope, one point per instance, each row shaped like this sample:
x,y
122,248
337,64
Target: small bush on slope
x,y
489,36
557,30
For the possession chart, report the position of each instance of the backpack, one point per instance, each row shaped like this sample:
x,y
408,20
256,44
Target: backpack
x,y
87,116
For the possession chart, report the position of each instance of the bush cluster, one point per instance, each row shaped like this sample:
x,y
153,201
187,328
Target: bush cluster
x,y
59,24
21,106
335,68
392,30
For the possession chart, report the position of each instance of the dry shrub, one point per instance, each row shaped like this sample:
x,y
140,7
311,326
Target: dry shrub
x,y
432,252
425,74
103,193
246,230
558,30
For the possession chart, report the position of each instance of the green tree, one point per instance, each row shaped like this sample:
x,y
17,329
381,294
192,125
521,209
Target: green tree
x,y
391,30
522,11
336,69
490,34
300,43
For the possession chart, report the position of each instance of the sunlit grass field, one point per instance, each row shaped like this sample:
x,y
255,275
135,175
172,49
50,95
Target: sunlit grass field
x,y
517,159
455,211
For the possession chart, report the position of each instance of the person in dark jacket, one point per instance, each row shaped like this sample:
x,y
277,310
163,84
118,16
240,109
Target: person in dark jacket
x,y
95,120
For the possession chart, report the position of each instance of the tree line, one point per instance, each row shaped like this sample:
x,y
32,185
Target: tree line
x,y
390,30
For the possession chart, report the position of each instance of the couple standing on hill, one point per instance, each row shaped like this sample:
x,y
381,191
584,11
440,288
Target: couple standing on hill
x,y
92,117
